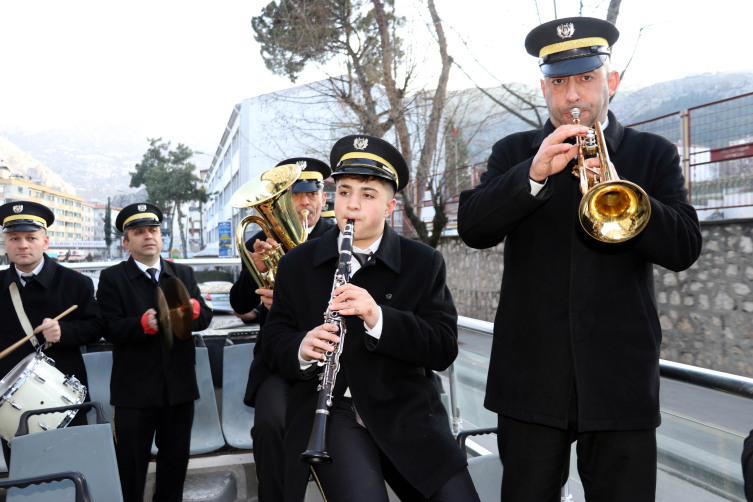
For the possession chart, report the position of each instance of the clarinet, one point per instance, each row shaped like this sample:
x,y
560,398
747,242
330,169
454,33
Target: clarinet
x,y
317,449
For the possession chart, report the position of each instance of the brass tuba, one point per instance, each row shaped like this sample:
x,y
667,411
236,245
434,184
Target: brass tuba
x,y
612,210
270,195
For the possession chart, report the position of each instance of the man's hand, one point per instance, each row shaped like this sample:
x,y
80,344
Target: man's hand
x,y
352,300
50,328
247,317
315,342
152,319
554,155
260,246
266,297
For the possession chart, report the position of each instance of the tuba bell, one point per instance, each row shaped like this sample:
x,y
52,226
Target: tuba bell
x,y
270,195
611,210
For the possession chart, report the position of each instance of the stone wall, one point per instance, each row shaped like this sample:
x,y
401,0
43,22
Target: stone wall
x,y
706,312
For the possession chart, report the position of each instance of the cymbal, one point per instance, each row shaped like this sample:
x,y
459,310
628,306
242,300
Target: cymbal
x,y
163,318
180,308
265,186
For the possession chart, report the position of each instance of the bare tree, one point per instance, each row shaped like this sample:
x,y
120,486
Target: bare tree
x,y
613,11
375,86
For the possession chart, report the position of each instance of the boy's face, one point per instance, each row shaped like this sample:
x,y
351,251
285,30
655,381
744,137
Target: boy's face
x,y
368,204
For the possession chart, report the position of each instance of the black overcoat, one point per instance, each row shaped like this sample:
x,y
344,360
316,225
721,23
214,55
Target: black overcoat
x,y
243,299
574,311
48,295
399,404
144,374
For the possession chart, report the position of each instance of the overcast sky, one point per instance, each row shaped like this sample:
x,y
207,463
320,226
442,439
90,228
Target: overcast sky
x,y
178,68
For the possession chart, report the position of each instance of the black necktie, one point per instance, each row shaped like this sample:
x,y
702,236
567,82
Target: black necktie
x,y
362,257
27,277
152,274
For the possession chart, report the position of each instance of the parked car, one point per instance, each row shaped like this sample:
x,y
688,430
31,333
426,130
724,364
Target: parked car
x,y
218,302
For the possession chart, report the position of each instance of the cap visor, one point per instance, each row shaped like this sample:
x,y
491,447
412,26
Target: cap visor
x,y
142,223
306,186
22,227
573,66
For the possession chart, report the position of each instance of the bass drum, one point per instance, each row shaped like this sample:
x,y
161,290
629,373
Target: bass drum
x,y
35,384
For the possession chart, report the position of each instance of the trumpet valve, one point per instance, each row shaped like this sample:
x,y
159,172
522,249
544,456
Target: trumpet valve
x,y
590,145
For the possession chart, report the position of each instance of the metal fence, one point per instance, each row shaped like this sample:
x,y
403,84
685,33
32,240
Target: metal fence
x,y
715,142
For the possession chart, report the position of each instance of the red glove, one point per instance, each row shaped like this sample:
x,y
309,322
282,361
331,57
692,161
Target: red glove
x,y
145,325
196,308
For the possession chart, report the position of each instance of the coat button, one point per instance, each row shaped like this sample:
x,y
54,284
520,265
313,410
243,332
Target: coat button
x,y
389,295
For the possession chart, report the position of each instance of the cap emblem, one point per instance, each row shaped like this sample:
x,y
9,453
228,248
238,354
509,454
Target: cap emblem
x,y
565,30
361,143
17,209
142,207
302,164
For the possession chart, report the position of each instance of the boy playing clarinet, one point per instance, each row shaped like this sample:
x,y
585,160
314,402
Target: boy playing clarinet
x,y
386,422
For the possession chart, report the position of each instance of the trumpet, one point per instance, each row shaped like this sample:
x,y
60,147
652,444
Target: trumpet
x,y
270,195
611,210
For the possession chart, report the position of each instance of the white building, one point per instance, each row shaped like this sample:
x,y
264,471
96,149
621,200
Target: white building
x,y
259,134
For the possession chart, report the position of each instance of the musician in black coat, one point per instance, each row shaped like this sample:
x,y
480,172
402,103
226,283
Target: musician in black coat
x,y
577,334
387,422
46,290
267,391
151,388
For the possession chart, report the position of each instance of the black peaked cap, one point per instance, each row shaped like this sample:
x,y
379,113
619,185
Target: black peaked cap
x,y
573,45
23,216
140,214
313,173
369,156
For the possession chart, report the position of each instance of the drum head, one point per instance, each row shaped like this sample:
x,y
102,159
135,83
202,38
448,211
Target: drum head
x,y
163,317
16,373
181,308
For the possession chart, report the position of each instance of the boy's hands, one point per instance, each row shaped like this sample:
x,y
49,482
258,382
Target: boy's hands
x,y
314,344
352,300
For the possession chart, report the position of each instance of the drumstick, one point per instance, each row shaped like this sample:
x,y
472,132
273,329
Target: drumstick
x,y
27,338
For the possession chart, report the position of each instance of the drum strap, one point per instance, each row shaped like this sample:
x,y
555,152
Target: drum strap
x,y
15,296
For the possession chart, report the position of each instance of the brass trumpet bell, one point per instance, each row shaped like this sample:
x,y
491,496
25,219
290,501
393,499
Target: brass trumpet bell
x,y
611,210
270,195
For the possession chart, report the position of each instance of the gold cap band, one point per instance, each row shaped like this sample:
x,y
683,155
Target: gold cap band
x,y
328,214
25,217
140,216
371,156
311,175
572,44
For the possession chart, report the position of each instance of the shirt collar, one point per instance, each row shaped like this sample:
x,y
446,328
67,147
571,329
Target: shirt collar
x,y
371,249
36,271
144,267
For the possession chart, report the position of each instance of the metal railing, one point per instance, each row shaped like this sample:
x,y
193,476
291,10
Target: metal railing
x,y
715,142
693,375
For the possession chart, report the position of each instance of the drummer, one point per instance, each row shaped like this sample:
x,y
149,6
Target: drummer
x,y
46,290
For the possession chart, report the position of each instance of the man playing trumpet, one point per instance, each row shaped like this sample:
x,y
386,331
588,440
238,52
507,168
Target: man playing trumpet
x,y
577,336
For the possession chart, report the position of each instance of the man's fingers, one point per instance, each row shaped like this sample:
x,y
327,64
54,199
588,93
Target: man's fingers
x,y
564,132
264,292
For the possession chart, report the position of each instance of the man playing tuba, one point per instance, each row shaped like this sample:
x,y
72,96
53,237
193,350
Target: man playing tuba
x,y
267,391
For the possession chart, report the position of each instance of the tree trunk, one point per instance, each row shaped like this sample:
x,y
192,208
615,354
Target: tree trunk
x,y
394,95
172,234
182,231
613,11
432,130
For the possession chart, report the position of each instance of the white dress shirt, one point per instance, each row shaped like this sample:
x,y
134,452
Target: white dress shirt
x,y
36,271
376,331
144,268
536,186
